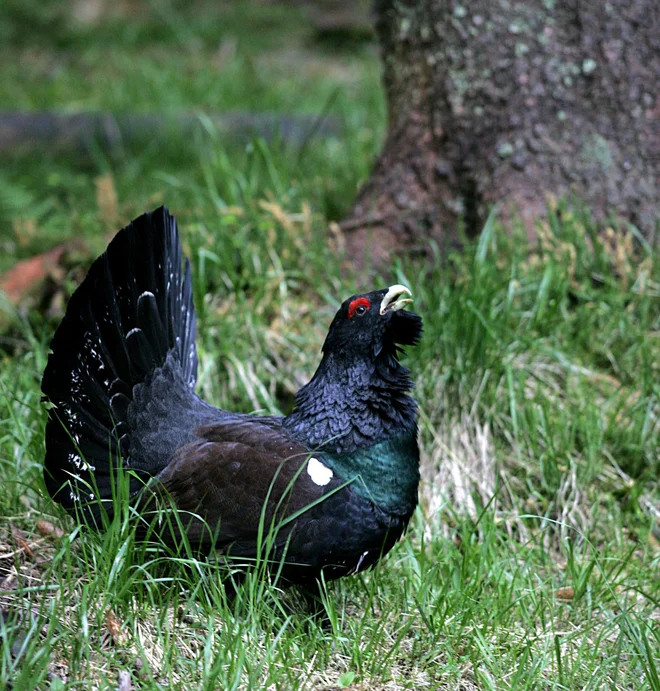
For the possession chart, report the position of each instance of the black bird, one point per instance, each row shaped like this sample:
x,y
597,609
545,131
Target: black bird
x,y
335,481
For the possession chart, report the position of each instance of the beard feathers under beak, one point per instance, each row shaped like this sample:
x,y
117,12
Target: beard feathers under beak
x,y
405,328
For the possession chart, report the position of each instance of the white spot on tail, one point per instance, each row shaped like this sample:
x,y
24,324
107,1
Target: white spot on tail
x,y
135,330
146,292
319,472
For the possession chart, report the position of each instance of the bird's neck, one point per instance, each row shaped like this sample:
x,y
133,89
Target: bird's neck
x,y
359,415
353,403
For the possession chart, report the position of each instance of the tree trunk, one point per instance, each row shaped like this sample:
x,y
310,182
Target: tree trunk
x,y
508,101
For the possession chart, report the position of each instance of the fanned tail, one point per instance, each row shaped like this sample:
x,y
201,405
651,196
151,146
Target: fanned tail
x,y
131,319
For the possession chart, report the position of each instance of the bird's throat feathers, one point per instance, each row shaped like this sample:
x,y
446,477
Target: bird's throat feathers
x,y
352,403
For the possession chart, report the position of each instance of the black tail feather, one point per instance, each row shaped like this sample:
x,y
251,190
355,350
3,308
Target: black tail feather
x,y
133,309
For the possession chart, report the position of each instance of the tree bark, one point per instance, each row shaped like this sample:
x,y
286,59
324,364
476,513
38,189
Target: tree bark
x,y
507,101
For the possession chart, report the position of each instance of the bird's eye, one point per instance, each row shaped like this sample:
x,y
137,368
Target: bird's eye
x,y
359,306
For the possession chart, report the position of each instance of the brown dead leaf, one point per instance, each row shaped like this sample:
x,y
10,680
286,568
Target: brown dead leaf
x,y
565,594
47,529
113,624
21,542
28,274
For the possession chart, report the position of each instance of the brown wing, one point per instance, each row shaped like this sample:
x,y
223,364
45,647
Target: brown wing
x,y
241,477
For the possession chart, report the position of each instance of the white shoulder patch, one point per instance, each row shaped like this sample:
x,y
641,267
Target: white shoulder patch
x,y
319,472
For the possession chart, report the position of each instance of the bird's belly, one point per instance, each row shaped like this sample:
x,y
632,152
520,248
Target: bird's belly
x,y
342,538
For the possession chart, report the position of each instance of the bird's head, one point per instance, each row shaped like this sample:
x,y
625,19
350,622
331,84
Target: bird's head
x,y
359,393
372,323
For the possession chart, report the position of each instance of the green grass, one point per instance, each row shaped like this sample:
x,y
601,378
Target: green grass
x,y
533,561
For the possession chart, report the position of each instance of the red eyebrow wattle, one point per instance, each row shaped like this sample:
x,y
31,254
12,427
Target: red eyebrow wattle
x,y
358,302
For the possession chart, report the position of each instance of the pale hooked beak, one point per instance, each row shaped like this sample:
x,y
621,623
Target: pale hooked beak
x,y
393,300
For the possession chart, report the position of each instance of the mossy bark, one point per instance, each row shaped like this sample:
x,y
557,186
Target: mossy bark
x,y
508,101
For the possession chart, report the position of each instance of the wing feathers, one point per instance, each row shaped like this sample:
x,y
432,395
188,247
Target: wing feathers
x,y
239,473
